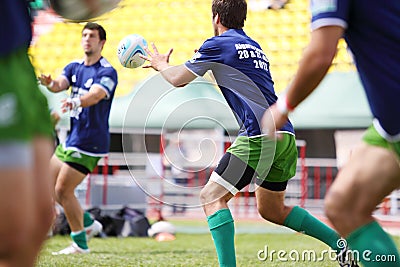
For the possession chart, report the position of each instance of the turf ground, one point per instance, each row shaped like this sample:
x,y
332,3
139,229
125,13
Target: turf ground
x,y
189,249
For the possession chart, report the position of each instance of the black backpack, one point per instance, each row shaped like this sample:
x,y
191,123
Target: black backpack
x,y
123,223
61,226
135,222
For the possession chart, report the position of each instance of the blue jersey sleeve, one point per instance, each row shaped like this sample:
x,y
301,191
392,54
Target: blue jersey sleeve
x,y
329,13
67,72
107,78
16,30
209,52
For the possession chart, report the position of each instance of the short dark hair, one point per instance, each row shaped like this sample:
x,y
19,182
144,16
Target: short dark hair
x,y
98,27
232,13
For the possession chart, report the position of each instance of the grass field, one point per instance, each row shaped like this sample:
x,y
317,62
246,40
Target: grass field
x,y
186,250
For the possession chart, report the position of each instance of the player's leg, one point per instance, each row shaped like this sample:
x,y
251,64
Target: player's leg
x,y
45,213
42,149
271,196
360,187
54,168
68,179
21,116
230,176
42,202
272,208
371,173
234,171
214,198
16,196
74,169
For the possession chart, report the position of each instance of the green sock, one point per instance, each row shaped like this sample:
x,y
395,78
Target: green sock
x,y
302,221
87,219
80,239
223,232
373,238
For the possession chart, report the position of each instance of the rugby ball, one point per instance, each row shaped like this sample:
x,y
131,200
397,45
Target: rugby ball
x,y
82,10
129,50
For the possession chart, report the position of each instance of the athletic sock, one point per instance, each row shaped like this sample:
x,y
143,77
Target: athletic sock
x,y
373,238
87,219
80,239
302,221
223,232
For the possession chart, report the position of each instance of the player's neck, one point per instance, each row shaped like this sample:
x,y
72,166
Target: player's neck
x,y
92,59
222,29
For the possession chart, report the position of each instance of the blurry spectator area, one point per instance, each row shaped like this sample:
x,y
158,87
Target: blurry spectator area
x,y
182,25
260,5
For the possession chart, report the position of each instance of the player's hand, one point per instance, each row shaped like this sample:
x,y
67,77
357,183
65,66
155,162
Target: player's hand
x,y
157,61
272,120
65,105
70,104
45,79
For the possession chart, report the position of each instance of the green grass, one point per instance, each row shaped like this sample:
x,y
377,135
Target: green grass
x,y
186,250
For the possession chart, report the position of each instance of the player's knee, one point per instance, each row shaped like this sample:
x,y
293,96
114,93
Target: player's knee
x,y
334,208
265,213
62,193
204,196
58,193
208,196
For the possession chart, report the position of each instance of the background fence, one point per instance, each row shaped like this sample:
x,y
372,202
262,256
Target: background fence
x,y
143,181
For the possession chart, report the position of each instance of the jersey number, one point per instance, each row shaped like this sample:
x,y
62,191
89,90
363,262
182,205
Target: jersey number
x,y
259,64
243,54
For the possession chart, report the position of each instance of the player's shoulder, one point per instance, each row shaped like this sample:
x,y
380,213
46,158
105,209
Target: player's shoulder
x,y
211,45
216,42
211,41
105,63
76,62
218,39
106,69
106,66
73,66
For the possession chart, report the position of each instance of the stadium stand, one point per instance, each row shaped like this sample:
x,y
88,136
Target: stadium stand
x,y
182,25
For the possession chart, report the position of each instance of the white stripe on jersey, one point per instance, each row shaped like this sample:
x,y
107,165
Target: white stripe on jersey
x,y
328,22
104,63
384,134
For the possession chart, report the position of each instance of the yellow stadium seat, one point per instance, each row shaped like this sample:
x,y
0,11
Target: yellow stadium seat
x,y
184,25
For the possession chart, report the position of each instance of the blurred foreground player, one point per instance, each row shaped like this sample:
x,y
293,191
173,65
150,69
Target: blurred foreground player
x,y
371,30
26,207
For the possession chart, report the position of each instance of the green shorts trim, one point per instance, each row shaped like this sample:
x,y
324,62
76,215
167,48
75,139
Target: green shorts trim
x,y
24,111
274,161
69,155
373,138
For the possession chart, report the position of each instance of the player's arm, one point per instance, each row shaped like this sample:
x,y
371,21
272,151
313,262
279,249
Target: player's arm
x,y
315,63
94,96
55,86
178,76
